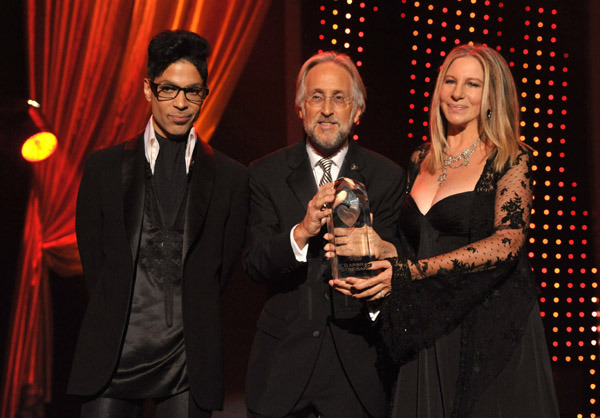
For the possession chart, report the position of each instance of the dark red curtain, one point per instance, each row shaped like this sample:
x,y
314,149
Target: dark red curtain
x,y
86,64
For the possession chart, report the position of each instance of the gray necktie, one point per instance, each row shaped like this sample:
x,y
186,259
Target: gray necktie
x,y
325,164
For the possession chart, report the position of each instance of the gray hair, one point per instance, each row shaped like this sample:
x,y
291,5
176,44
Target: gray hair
x,y
359,92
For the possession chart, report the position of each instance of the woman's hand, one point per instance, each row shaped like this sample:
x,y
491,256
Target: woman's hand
x,y
372,288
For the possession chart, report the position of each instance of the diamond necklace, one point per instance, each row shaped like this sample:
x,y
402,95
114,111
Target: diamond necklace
x,y
465,156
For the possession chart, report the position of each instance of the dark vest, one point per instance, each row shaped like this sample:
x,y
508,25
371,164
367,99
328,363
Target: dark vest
x,y
153,362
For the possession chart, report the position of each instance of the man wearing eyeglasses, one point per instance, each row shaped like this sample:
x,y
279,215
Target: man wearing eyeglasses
x,y
314,351
160,222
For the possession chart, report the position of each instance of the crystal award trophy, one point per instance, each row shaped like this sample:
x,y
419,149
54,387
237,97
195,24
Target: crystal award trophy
x,y
350,219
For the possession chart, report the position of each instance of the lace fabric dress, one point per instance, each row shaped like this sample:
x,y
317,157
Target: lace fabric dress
x,y
468,339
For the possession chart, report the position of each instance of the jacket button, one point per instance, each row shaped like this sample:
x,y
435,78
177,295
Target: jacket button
x,y
316,334
326,295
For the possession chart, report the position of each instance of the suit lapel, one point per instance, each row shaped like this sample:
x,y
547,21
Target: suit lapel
x,y
301,180
133,171
202,171
353,163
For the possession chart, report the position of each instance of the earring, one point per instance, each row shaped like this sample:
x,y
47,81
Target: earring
x,y
489,113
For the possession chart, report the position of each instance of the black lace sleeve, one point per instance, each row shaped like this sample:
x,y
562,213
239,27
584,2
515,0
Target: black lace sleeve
x,y
419,311
511,222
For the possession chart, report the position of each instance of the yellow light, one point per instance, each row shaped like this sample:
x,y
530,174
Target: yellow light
x,y
335,26
39,146
335,12
334,41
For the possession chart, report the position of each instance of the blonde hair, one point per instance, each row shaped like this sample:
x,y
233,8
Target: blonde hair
x,y
500,131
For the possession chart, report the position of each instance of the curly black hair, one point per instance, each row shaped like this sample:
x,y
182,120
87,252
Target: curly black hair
x,y
171,46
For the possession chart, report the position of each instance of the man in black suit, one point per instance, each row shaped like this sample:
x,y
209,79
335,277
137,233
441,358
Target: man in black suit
x,y
160,222
314,350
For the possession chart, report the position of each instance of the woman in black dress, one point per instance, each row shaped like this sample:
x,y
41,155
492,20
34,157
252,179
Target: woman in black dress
x,y
459,316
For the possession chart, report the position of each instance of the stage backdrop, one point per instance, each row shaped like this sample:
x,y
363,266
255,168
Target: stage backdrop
x,y
86,65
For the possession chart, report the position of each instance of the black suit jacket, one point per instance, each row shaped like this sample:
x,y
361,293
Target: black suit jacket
x,y
298,308
110,207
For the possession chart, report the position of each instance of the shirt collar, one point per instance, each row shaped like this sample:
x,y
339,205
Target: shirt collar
x,y
337,158
152,147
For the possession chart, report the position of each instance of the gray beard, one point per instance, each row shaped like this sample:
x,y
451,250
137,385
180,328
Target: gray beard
x,y
327,149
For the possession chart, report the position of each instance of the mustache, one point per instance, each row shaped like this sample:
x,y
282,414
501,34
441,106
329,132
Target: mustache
x,y
328,120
